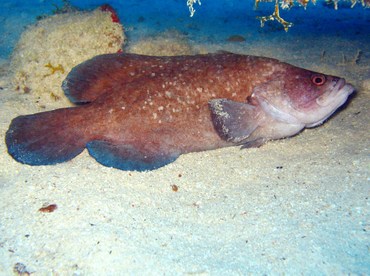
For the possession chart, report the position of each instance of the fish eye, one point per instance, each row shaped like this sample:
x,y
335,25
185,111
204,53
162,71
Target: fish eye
x,y
318,79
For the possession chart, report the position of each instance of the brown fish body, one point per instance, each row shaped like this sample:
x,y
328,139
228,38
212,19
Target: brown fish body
x,y
142,112
152,100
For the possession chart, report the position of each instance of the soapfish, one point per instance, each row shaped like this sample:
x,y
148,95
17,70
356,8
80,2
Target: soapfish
x,y
138,112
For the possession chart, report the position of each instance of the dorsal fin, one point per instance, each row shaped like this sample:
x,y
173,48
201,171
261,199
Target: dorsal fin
x,y
224,52
102,74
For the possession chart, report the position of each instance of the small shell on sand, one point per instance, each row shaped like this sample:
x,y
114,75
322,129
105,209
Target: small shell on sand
x,y
236,38
366,85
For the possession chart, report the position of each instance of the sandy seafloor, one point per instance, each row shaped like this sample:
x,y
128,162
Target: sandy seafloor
x,y
298,206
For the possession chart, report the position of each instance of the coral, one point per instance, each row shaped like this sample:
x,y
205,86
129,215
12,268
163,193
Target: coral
x,y
190,4
48,50
364,3
287,4
284,4
276,15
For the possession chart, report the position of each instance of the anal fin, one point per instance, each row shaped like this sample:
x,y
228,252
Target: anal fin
x,y
128,157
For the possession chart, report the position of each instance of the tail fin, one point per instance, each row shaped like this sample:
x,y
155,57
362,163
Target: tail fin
x,y
45,138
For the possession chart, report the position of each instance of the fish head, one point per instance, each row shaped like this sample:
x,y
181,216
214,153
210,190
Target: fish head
x,y
301,97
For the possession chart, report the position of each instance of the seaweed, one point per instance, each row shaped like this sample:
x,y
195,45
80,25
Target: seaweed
x,y
54,69
64,8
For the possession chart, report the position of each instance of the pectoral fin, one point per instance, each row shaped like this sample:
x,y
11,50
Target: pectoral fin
x,y
233,121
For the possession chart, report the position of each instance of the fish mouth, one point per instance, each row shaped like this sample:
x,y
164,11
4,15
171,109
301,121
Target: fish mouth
x,y
337,94
329,102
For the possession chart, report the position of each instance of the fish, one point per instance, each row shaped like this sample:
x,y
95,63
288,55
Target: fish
x,y
136,112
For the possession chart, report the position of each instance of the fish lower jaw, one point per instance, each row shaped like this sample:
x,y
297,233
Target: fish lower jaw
x,y
276,113
335,96
325,117
297,118
278,123
273,130
329,107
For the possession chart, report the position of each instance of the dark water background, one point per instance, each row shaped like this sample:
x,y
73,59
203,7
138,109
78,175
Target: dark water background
x,y
214,20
